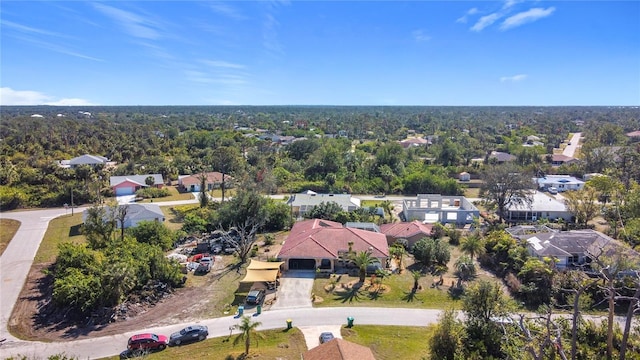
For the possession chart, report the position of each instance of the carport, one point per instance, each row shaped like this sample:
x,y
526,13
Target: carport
x,y
262,271
302,264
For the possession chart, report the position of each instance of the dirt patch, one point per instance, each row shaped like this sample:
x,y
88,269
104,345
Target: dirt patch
x,y
206,296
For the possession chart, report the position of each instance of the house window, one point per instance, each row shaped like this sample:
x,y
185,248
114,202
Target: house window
x,y
573,259
325,264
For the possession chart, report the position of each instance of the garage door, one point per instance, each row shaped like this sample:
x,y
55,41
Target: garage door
x,y
302,264
124,191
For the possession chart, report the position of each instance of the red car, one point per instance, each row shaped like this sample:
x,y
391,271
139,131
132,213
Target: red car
x,y
147,342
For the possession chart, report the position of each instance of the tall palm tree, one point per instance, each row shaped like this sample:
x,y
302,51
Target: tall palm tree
x,y
473,246
416,277
247,329
465,269
361,261
398,251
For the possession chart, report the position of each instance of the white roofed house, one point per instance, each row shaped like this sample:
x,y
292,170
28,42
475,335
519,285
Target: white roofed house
x,y
542,206
86,159
560,182
303,202
136,213
432,208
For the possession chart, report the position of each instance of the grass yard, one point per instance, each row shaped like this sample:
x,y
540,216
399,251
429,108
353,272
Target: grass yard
x,y
271,344
175,195
8,229
472,192
62,229
386,342
392,342
170,218
395,292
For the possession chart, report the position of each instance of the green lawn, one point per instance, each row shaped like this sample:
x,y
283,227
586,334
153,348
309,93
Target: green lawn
x,y
392,342
62,229
386,342
175,195
395,292
8,229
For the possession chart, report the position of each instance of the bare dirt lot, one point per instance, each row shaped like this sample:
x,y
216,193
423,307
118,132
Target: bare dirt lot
x,y
206,296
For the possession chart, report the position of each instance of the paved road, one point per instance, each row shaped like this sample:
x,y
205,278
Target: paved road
x,y
570,150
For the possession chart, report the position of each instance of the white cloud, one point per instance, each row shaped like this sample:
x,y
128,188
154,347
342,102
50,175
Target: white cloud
x,y
485,21
226,10
524,17
133,24
463,19
514,78
8,96
28,29
509,3
420,36
222,64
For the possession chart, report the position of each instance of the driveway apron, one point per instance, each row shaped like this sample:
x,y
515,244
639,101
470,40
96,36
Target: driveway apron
x,y
295,290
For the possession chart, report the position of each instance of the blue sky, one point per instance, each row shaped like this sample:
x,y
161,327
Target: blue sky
x,y
320,53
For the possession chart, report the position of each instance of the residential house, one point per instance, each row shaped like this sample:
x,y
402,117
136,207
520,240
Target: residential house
x,y
411,231
500,157
301,203
560,182
86,159
322,244
559,159
136,213
414,142
634,134
128,185
213,180
339,349
570,249
542,206
432,208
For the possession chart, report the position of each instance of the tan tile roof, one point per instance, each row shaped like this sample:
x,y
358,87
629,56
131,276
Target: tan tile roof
x,y
339,349
406,229
324,239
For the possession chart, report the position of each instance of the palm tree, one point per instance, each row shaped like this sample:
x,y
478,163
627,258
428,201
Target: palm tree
x,y
361,261
247,328
416,277
465,269
473,246
440,270
398,251
387,206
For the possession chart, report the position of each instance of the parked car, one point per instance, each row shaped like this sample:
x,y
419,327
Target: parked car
x,y
147,342
206,263
553,190
255,296
326,336
189,334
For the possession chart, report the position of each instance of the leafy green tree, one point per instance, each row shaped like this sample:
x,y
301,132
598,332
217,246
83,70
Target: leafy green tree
x,y
279,216
248,330
99,226
447,342
154,233
325,210
226,160
431,251
537,280
149,181
583,204
203,197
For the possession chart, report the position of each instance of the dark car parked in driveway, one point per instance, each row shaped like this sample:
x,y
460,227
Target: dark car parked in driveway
x,y
255,296
189,334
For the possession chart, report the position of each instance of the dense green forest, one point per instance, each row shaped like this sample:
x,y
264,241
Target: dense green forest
x,y
345,149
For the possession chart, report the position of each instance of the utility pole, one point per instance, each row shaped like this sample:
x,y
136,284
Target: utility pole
x,y
71,201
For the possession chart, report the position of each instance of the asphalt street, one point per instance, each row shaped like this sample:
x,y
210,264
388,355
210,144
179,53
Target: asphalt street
x,y
570,150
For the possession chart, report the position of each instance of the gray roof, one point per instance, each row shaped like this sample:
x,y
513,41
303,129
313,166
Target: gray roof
x,y
575,242
139,179
541,202
87,159
308,200
501,156
551,180
143,211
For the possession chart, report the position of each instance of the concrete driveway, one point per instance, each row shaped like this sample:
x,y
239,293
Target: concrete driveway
x,y
312,333
295,290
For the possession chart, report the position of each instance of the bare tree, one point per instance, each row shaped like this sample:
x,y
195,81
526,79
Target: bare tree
x,y
505,185
583,204
551,337
243,238
121,212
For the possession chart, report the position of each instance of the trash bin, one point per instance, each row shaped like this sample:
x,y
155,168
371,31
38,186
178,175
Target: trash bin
x,y
350,321
240,310
289,322
259,309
